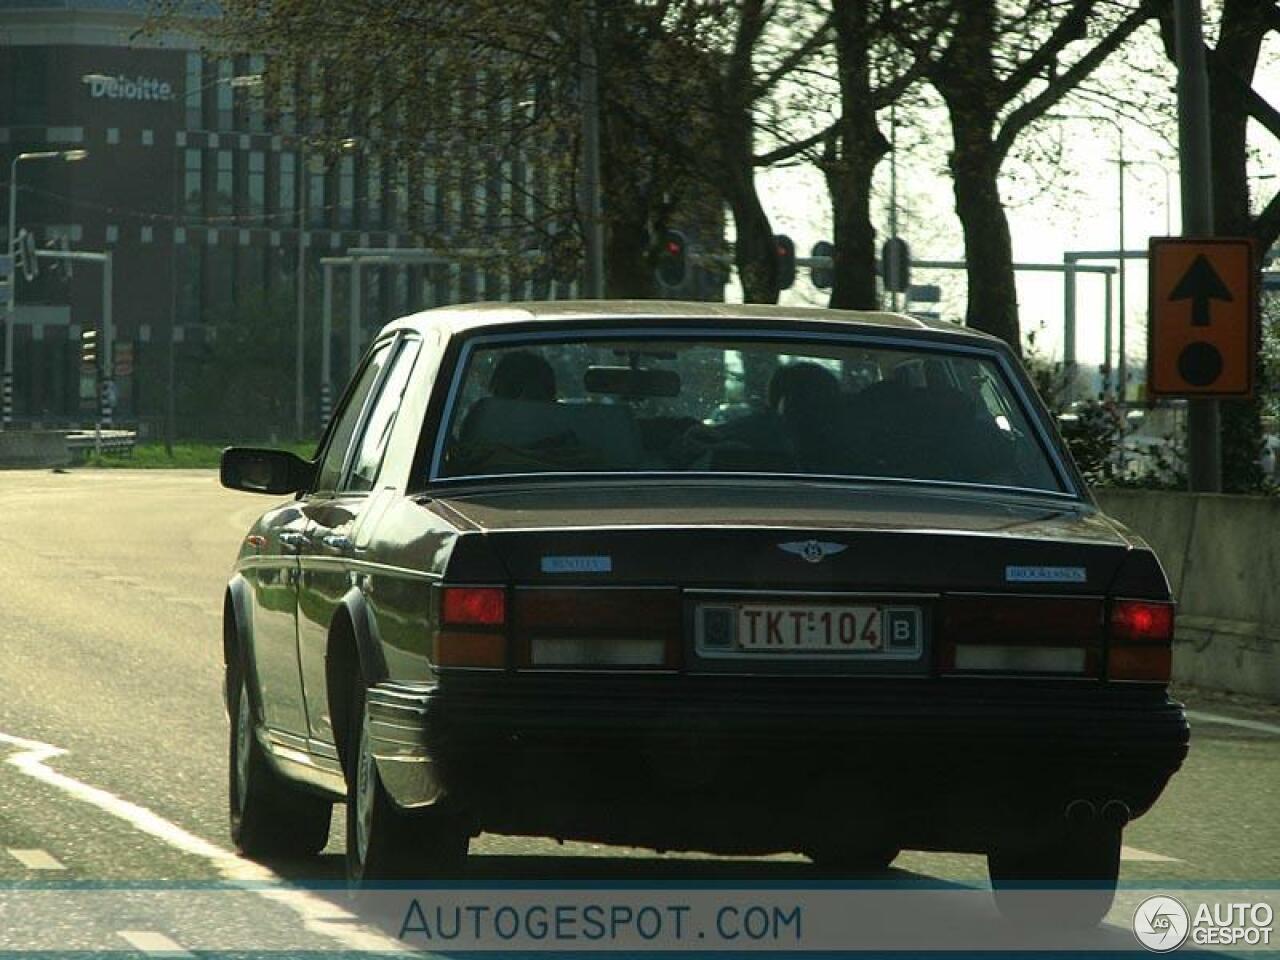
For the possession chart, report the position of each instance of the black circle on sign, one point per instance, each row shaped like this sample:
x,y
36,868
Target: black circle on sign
x,y
1200,363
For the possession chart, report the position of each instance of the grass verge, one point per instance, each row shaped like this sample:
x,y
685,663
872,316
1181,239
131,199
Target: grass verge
x,y
154,456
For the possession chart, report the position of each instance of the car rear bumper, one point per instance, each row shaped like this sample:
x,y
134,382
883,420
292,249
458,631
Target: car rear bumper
x,y
762,764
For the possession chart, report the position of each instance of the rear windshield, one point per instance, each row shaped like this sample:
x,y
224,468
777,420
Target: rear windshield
x,y
617,405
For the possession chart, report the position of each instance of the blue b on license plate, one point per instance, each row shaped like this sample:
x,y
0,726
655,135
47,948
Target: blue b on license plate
x,y
781,629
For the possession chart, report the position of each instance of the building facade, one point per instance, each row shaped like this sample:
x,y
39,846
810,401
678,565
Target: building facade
x,y
199,197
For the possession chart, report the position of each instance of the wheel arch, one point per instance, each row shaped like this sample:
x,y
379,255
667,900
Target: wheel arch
x,y
351,651
237,641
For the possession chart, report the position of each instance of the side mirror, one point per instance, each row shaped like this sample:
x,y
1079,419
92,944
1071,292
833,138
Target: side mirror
x,y
257,470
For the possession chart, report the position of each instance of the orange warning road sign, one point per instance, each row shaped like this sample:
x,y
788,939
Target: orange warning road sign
x,y
1203,331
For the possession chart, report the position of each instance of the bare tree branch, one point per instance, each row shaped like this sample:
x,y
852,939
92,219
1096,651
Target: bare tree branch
x,y
1063,83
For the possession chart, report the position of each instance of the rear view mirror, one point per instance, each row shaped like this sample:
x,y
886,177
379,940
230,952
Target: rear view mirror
x,y
256,470
630,382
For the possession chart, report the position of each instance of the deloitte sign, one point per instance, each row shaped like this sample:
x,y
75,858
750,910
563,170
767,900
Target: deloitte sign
x,y
129,88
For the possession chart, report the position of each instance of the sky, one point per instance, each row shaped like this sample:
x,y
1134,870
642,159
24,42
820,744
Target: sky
x,y
1069,206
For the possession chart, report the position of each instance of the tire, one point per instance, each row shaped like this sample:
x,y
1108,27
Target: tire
x,y
855,860
1086,863
270,817
386,844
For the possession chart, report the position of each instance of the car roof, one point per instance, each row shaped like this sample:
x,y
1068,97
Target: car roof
x,y
493,316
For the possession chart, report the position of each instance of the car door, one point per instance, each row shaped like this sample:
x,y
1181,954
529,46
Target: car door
x,y
273,580
332,459
335,562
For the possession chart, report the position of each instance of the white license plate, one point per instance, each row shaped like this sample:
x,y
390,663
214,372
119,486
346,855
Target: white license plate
x,y
781,629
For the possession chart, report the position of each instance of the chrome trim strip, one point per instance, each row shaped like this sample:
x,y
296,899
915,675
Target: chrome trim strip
x,y
287,741
367,566
1049,448
326,751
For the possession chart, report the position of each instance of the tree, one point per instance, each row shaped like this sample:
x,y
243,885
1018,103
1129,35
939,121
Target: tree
x,y
998,67
855,144
716,68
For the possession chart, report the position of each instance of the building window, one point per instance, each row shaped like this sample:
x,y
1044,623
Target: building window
x,y
190,282
373,197
315,197
223,197
29,83
257,183
254,99
400,198
192,182
225,95
219,283
288,189
195,95
346,192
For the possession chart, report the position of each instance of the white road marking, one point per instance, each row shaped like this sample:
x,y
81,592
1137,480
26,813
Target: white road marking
x,y
155,944
317,914
1133,854
1258,725
35,859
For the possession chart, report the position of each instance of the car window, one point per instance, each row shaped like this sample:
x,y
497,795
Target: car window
x,y
614,404
330,471
377,430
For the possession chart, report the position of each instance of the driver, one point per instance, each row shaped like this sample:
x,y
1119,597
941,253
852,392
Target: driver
x,y
523,375
801,398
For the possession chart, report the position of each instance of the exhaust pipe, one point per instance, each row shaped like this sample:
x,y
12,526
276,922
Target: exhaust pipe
x,y
1116,813
1080,813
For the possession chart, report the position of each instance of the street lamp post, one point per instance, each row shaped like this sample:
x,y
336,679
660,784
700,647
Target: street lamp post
x,y
346,145
68,156
1121,163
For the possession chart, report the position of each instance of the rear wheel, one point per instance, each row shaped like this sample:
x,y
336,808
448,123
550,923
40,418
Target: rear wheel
x,y
269,816
1069,883
386,844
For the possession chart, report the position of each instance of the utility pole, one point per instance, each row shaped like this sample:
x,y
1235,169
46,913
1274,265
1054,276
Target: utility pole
x,y
300,344
1204,433
893,187
592,223
1122,378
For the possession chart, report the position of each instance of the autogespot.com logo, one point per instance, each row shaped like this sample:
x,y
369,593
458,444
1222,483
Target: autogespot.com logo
x,y
1161,924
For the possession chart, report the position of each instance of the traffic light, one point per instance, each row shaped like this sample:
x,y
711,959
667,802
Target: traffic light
x,y
823,277
673,259
895,262
89,348
786,250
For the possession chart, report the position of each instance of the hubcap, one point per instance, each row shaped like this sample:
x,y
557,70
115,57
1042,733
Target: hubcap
x,y
365,784
244,733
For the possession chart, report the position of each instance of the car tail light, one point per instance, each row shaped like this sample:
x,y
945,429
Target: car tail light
x,y
602,627
1141,641
474,607
1004,634
472,630
1141,621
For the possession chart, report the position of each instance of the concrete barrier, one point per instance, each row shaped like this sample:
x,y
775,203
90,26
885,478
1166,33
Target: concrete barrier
x,y
33,448
1222,554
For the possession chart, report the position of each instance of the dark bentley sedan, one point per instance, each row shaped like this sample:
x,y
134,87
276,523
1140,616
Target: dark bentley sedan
x,y
693,576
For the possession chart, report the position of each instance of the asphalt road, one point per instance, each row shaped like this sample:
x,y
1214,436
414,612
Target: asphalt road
x,y
112,790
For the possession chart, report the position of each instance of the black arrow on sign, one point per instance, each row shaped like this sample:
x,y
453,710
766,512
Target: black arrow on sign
x,y
1200,284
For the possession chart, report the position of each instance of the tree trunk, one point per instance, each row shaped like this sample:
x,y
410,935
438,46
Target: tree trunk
x,y
754,251
988,246
1244,23
859,147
